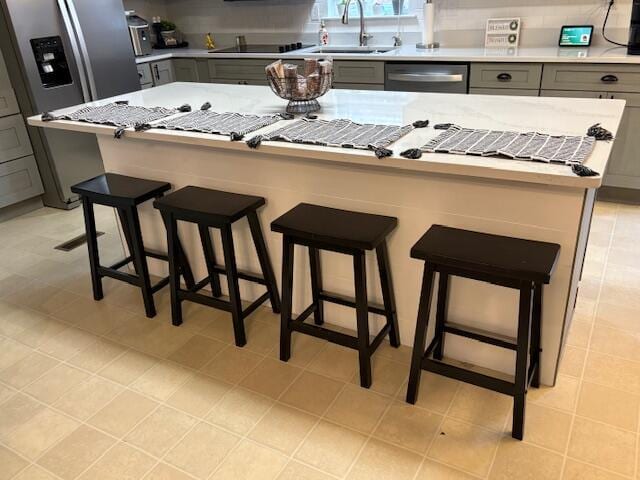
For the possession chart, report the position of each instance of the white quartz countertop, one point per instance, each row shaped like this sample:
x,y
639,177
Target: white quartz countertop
x,y
567,116
410,53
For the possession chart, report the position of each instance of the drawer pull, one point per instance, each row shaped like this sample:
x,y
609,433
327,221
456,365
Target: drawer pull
x,y
504,77
609,79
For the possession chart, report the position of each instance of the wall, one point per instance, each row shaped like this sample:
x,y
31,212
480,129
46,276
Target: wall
x,y
459,22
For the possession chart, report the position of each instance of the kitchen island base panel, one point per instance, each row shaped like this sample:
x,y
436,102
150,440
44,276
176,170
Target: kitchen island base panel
x,y
419,200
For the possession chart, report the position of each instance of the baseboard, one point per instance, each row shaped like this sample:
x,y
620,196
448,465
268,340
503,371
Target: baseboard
x,y
20,208
619,195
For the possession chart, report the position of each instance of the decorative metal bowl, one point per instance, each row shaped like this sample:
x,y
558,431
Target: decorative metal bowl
x,y
302,95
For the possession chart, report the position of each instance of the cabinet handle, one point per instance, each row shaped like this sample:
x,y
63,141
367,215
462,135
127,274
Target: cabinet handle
x,y
609,79
504,77
157,72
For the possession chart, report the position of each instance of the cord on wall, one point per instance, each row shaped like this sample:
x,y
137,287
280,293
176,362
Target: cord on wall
x,y
604,26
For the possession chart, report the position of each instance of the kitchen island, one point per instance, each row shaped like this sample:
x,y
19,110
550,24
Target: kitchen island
x,y
508,197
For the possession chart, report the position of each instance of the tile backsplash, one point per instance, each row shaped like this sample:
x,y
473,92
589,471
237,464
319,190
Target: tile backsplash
x,y
459,23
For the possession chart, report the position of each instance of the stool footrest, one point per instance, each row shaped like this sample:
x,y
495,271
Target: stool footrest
x,y
256,303
155,254
324,333
481,335
161,283
378,340
120,263
349,302
242,275
118,275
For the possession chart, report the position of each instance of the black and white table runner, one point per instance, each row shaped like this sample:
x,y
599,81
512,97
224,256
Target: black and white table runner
x,y
205,121
118,114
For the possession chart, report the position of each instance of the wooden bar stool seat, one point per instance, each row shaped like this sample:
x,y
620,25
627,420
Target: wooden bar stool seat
x,y
524,265
125,193
350,233
217,209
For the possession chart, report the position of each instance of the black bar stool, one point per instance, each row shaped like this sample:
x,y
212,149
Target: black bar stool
x,y
216,209
524,265
351,233
125,194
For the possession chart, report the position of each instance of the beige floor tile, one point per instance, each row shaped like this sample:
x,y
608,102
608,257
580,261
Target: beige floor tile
x,y
388,376
603,445
621,286
262,336
6,393
12,352
436,392
33,472
86,399
518,460
385,462
122,413
304,349
199,394
335,361
218,325
232,364
251,461
122,462
478,445
97,355
358,408
431,470
331,448
12,283
197,351
55,383
608,405
41,332
545,427
618,316
612,371
271,377
481,406
95,317
74,453
613,341
408,426
575,470
283,428
579,334
298,471
160,431
11,463
202,450
312,392
67,343
161,380
43,298
563,395
402,354
14,319
128,367
25,371
239,410
162,471
39,433
17,411
572,362
162,340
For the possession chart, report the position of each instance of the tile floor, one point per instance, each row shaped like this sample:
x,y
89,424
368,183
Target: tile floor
x,y
97,391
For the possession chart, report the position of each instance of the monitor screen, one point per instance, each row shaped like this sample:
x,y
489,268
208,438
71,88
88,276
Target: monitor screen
x,y
576,35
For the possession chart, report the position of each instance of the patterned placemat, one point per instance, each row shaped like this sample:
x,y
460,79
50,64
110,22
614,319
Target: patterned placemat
x,y
339,133
536,146
205,121
118,114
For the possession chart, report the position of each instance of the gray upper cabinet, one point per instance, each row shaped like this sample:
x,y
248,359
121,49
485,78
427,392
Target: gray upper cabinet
x,y
611,78
162,72
14,140
186,70
524,76
358,72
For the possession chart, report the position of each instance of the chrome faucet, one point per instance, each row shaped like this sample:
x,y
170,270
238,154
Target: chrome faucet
x,y
364,37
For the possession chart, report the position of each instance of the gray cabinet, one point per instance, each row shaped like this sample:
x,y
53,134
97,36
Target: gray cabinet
x,y
241,71
358,86
186,70
14,140
19,180
162,72
144,73
612,78
358,72
8,103
525,76
5,84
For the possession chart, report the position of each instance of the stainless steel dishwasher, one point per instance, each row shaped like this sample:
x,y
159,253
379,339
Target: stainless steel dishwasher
x,y
426,77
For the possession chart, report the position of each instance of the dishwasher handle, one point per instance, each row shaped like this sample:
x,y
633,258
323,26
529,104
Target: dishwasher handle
x,y
427,77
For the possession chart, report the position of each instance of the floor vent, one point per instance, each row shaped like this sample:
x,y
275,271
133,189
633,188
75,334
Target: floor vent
x,y
74,242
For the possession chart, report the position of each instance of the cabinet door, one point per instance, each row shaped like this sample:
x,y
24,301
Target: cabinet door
x,y
186,70
144,73
162,72
19,180
8,103
14,140
358,72
624,165
505,75
581,77
5,84
504,91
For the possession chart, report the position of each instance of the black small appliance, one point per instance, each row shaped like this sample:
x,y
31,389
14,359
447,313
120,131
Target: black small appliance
x,y
634,30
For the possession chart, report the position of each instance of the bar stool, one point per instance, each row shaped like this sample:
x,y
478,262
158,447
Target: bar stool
x,y
125,194
216,209
350,233
524,265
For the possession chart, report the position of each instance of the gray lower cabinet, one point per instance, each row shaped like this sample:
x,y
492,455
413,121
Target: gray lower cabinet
x,y
162,72
144,73
186,70
358,72
504,91
19,180
524,76
14,140
8,102
358,86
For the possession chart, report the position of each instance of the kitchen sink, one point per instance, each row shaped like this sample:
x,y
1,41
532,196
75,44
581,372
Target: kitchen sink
x,y
352,50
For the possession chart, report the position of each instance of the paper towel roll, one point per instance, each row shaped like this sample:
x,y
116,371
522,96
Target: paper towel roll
x,y
427,22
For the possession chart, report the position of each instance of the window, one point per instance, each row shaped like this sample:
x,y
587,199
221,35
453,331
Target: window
x,y
372,8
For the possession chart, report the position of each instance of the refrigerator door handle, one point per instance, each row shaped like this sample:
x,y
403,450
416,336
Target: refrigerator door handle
x,y
75,50
83,48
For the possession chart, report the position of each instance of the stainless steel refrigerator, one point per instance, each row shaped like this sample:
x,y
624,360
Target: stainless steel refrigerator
x,y
62,53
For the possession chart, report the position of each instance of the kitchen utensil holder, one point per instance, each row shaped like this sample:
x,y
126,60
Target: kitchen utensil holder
x,y
302,97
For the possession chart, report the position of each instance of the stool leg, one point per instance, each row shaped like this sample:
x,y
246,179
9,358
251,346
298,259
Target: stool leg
x,y
126,232
441,313
287,298
140,261
210,260
388,295
234,289
174,272
522,357
265,261
420,341
92,245
185,267
316,284
362,313
536,333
